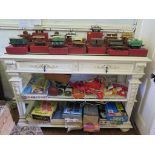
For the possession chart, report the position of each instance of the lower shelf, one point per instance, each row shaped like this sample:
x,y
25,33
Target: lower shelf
x,y
124,125
37,123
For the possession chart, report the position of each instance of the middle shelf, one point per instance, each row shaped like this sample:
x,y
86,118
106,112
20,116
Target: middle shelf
x,y
63,89
58,98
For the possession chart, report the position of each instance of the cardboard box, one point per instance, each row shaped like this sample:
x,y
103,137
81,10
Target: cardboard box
x,y
91,123
17,50
90,119
6,121
142,52
96,50
76,50
44,110
57,51
64,78
38,49
118,52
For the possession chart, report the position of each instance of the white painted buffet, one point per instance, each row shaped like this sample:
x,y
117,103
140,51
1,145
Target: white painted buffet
x,y
74,64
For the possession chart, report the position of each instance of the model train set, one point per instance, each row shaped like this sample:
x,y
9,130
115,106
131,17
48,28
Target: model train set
x,y
95,43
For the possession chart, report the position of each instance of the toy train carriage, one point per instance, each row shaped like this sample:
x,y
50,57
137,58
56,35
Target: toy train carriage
x,y
135,43
117,44
18,46
18,41
57,44
39,40
26,35
127,35
96,33
111,36
57,41
40,32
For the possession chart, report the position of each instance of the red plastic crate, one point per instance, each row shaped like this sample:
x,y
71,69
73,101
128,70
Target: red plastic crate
x,y
91,35
38,49
96,50
63,50
118,52
138,52
76,50
16,50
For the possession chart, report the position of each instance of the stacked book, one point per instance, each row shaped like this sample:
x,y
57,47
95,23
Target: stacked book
x,y
112,113
57,118
44,110
90,118
37,87
73,115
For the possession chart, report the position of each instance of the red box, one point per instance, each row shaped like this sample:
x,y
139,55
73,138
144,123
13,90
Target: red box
x,y
118,52
17,50
76,50
63,50
96,50
91,35
38,49
142,52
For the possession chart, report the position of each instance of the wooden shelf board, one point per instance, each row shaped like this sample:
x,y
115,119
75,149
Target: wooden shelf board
x,y
105,99
38,123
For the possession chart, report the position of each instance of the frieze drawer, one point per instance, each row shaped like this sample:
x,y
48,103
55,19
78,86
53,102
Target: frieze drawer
x,y
48,67
101,68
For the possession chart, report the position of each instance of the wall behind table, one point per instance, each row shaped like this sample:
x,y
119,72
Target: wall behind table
x,y
145,108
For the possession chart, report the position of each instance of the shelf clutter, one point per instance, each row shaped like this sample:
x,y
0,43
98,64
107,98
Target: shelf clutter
x,y
96,43
44,87
78,115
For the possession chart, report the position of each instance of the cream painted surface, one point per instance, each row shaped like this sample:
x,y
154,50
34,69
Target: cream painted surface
x,y
136,73
146,109
50,67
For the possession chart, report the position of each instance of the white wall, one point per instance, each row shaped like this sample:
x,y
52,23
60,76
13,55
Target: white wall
x,y
145,112
72,23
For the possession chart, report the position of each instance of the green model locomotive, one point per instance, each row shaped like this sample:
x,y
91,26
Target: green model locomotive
x,y
135,43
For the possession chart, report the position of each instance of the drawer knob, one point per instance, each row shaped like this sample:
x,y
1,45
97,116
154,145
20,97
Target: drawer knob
x,y
106,69
153,77
44,68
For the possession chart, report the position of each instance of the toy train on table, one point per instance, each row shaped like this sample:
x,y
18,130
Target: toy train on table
x,y
96,43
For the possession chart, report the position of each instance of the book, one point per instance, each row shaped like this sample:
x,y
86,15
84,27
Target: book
x,y
115,111
44,110
111,107
91,110
36,87
72,110
57,118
